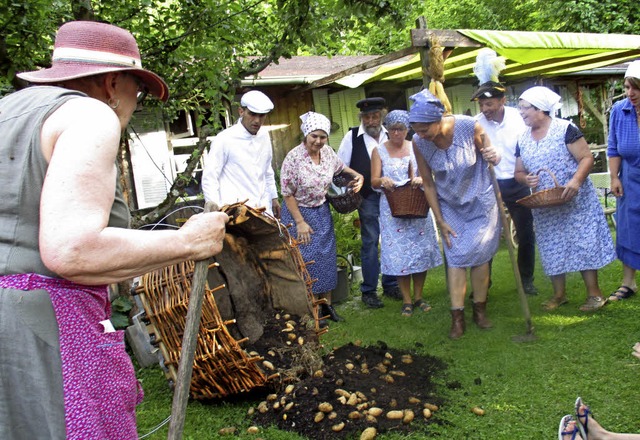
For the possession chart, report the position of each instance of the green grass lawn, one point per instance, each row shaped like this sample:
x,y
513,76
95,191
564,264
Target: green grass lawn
x,y
525,388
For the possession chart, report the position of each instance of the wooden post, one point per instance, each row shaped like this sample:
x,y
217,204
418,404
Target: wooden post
x,y
421,23
189,342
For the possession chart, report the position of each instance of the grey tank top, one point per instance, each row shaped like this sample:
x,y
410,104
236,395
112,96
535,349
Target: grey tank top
x,y
22,172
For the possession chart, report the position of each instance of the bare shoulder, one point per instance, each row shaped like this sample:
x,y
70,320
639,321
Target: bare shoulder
x,y
80,118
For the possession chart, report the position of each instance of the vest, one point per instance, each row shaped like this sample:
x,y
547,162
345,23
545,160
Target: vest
x,y
360,161
22,172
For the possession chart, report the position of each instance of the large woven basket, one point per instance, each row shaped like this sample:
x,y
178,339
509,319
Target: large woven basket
x,y
348,200
545,198
407,202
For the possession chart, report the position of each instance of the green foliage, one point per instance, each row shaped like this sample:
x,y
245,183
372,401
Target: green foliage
x,y
120,308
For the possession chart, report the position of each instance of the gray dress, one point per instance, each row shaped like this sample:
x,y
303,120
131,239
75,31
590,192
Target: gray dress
x,y
30,368
465,194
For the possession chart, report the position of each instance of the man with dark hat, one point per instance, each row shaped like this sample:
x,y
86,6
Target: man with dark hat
x,y
504,125
355,151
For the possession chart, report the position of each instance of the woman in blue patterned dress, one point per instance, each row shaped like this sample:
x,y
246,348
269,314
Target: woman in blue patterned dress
x,y
409,246
453,153
574,236
624,167
307,172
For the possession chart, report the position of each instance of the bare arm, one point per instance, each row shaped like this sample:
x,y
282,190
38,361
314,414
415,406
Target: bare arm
x,y
581,153
614,171
377,180
358,178
75,242
523,176
432,197
303,228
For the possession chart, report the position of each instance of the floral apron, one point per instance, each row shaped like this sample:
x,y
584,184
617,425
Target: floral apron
x,y
100,388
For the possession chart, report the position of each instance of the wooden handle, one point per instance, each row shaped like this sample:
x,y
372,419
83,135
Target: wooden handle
x,y
189,342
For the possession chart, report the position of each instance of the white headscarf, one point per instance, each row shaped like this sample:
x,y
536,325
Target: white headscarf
x,y
543,98
312,121
633,70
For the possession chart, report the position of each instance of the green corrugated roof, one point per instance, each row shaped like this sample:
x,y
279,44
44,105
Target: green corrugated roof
x,y
527,54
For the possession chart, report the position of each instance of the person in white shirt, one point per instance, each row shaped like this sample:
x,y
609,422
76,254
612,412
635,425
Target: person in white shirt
x,y
504,125
355,151
238,166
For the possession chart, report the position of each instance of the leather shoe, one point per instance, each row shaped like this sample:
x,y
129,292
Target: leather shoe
x,y
328,310
529,288
392,292
372,301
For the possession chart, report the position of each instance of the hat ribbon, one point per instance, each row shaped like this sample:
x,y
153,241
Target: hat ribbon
x,y
62,54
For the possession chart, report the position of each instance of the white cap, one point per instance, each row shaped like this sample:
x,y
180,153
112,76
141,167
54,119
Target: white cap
x,y
257,102
633,70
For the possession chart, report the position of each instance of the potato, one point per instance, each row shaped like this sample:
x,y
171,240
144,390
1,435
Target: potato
x,y
342,400
408,416
289,389
318,373
332,415
393,403
227,431
371,419
426,413
477,411
262,407
350,366
414,400
369,434
352,400
251,411
395,415
388,355
375,411
272,397
337,428
341,392
397,373
253,430
319,417
268,365
325,407
292,336
431,407
355,415
288,406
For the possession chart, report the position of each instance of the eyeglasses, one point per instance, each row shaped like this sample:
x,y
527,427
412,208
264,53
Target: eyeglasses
x,y
396,130
142,90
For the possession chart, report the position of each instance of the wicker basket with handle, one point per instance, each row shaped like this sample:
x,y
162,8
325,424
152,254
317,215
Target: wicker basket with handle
x,y
545,198
346,200
406,201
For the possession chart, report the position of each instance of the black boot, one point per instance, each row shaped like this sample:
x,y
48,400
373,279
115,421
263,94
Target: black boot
x,y
328,310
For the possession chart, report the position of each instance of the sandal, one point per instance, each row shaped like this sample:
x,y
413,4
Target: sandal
x,y
582,425
407,310
567,427
422,305
554,303
623,292
593,303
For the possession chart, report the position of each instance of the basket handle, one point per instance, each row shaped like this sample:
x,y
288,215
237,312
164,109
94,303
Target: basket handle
x,y
555,181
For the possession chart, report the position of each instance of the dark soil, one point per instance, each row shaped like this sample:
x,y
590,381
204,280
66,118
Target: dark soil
x,y
376,376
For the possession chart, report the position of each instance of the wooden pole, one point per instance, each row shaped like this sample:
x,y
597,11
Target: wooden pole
x,y
189,342
421,23
514,264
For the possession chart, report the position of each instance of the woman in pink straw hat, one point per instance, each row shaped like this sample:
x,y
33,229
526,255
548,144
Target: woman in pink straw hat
x,y
64,372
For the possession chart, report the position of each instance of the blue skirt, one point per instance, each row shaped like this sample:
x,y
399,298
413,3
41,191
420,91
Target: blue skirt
x,y
322,248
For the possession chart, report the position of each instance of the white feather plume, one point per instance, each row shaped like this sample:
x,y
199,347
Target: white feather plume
x,y
488,65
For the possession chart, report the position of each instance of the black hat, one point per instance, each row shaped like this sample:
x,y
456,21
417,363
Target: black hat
x,y
368,105
490,89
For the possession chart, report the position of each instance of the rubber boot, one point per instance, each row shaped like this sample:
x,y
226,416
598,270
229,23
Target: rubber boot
x,y
457,324
480,315
328,310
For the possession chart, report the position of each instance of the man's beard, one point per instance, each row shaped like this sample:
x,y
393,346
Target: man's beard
x,y
373,131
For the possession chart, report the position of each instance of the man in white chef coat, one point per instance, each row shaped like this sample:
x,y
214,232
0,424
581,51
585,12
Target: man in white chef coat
x,y
238,166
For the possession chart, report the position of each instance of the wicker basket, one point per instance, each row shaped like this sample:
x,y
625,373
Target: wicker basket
x,y
348,201
545,198
407,202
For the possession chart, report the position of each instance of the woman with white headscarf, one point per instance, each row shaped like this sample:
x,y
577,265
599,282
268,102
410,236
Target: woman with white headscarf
x,y
305,177
624,167
409,246
574,236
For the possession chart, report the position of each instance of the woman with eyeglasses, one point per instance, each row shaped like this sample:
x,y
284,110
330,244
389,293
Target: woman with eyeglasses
x,y
572,237
409,247
64,371
453,153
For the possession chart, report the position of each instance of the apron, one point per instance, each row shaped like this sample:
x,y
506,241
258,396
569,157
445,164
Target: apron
x,y
100,388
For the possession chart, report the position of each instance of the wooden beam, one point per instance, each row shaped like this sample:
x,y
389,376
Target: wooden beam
x,y
422,38
360,67
421,24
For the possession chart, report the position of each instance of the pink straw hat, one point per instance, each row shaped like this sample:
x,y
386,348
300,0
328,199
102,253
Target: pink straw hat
x,y
85,48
